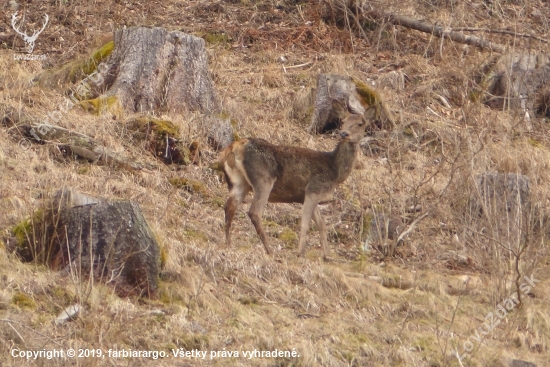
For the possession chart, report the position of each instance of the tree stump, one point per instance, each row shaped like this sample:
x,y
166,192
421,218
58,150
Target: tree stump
x,y
501,193
501,203
354,94
154,69
110,240
219,132
517,81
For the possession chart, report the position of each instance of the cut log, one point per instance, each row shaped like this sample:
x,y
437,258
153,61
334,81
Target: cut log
x,y
353,93
154,69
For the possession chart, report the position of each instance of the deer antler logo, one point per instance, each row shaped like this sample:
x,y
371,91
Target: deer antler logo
x,y
29,40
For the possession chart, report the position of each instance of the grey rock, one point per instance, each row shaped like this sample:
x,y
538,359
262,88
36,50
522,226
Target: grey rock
x,y
68,314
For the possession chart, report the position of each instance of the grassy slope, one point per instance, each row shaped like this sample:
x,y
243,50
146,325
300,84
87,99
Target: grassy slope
x,y
332,313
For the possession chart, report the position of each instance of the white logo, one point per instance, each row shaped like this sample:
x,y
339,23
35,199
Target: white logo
x,y
29,40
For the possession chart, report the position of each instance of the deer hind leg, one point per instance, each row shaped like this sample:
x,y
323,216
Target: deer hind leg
x,y
259,201
318,219
310,204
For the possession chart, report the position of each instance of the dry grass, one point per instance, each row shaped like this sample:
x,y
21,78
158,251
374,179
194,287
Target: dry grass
x,y
333,314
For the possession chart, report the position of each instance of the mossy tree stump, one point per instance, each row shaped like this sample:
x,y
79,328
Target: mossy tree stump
x,y
502,203
152,69
354,94
518,81
110,241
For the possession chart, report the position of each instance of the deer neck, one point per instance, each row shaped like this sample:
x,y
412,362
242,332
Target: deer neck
x,y
344,158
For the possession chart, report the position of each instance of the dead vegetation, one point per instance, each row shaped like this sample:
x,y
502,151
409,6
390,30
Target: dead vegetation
x,y
364,308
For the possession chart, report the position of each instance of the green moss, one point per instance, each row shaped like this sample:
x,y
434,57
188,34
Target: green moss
x,y
22,232
247,300
289,237
192,234
216,166
367,226
102,104
76,70
22,300
154,132
163,256
534,143
31,238
218,202
193,186
98,56
163,128
216,38
369,97
83,170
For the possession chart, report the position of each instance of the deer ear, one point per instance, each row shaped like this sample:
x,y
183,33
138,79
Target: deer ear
x,y
370,113
340,111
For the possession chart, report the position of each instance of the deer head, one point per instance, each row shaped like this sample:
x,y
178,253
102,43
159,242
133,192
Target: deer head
x,y
29,40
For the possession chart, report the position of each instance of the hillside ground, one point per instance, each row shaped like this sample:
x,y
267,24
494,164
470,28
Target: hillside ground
x,y
359,309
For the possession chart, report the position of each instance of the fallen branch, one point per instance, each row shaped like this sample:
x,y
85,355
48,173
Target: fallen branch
x,y
502,31
437,31
78,144
285,68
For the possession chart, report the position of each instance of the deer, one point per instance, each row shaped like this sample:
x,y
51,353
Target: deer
x,y
291,174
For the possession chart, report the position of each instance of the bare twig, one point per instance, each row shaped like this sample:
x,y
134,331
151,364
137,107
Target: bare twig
x,y
17,332
31,329
410,227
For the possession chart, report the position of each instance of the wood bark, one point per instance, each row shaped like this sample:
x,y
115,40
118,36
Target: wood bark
x,y
110,240
345,90
500,202
153,69
517,81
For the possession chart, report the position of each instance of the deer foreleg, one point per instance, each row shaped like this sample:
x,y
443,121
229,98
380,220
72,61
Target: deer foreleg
x,y
318,219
